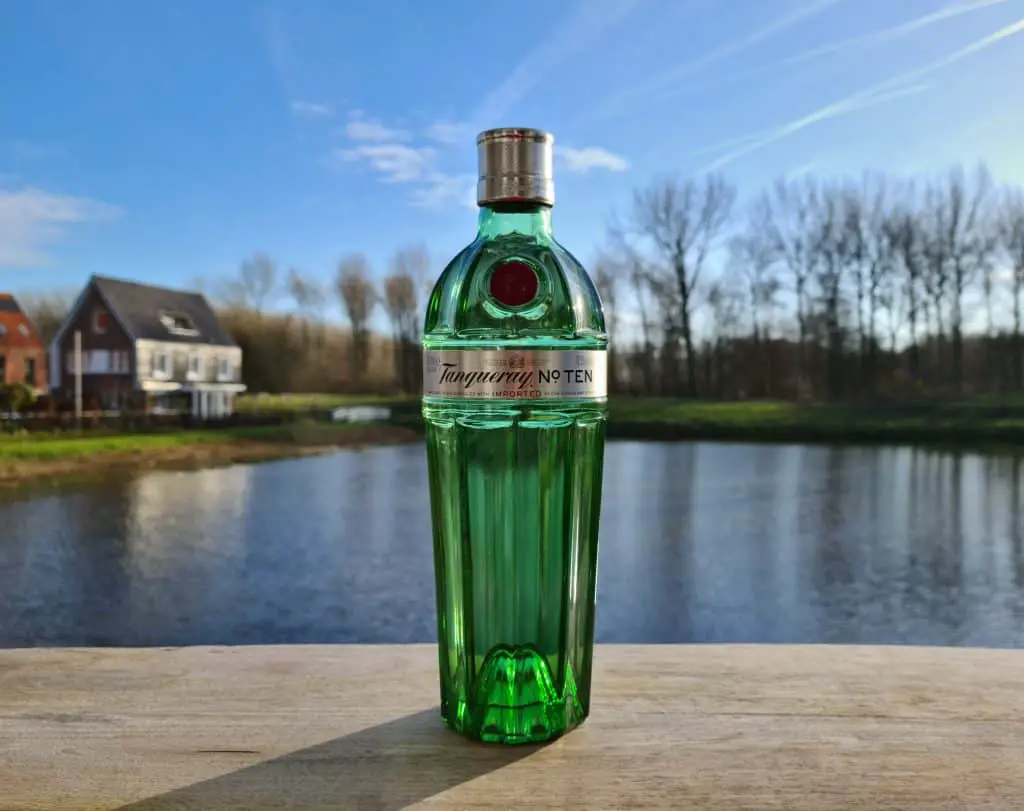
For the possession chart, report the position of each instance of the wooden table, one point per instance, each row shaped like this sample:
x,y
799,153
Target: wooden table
x,y
357,727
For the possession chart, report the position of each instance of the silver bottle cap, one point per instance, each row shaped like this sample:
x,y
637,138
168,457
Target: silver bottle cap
x,y
515,165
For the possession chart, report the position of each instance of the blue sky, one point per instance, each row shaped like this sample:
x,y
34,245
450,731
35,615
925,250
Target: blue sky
x,y
166,141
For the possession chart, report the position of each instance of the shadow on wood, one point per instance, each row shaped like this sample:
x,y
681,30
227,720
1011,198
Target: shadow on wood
x,y
384,768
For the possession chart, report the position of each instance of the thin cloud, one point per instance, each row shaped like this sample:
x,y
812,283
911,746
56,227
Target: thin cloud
x,y
370,129
591,157
384,151
611,104
311,109
589,21
33,219
441,190
447,132
871,96
874,38
393,163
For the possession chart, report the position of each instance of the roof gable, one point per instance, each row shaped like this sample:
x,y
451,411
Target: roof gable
x,y
151,313
16,331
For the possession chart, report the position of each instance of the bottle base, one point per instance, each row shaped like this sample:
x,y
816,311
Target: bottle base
x,y
515,701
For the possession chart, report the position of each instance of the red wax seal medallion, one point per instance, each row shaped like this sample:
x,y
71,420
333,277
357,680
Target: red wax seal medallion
x,y
514,284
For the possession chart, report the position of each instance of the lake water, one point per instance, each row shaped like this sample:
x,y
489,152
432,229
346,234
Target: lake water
x,y
700,542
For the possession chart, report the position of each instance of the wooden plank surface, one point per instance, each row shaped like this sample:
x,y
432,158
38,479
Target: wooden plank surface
x,y
357,727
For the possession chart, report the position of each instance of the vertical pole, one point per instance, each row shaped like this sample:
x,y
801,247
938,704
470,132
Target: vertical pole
x,y
78,377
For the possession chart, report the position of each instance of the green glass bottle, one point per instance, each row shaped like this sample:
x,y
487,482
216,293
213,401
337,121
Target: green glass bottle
x,y
515,406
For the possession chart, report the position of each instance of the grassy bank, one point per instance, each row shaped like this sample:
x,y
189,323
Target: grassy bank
x,y
37,458
33,457
971,422
277,403
975,421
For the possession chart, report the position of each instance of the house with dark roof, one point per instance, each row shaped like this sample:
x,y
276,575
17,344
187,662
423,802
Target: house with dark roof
x,y
142,347
22,353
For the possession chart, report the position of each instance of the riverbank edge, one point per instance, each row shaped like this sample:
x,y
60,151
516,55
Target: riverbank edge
x,y
965,435
293,441
214,451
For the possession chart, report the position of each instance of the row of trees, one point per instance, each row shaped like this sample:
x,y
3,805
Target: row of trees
x,y
283,321
878,286
303,350
815,288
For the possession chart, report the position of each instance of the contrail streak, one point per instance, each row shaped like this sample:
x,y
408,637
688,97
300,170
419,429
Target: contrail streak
x,y
668,77
589,21
885,35
871,96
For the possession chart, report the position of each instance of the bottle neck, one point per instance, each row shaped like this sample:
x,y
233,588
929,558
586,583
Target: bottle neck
x,y
526,219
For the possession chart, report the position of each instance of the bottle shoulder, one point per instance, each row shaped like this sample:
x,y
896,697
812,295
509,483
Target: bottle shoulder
x,y
565,308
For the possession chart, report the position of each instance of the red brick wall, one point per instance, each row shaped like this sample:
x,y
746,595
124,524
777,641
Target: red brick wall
x,y
14,365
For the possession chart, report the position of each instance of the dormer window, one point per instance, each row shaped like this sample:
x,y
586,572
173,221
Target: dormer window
x,y
100,322
178,324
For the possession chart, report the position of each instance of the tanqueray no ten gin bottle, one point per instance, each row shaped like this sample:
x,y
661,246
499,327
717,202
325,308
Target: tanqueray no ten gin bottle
x,y
515,406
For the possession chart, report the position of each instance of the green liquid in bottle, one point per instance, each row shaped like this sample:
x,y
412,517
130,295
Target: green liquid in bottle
x,y
515,454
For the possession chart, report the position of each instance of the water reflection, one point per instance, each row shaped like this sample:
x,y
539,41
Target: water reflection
x,y
700,542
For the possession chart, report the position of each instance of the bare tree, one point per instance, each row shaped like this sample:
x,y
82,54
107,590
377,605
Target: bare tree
x,y
837,247
311,301
637,276
409,267
254,285
683,221
873,265
607,274
903,298
308,294
969,245
46,311
788,212
358,299
726,303
1010,230
667,305
753,258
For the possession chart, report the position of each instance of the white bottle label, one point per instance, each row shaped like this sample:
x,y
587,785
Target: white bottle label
x,y
516,374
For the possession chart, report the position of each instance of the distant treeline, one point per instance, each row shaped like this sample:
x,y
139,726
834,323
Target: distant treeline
x,y
820,289
842,289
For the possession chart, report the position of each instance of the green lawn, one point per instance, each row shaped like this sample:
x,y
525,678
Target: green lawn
x,y
669,410
981,421
311,402
43,446
992,420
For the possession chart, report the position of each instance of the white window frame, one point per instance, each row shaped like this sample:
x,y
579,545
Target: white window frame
x,y
195,366
95,361
120,361
224,369
162,365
